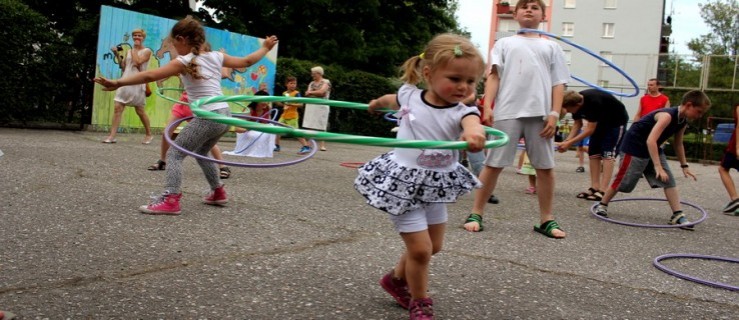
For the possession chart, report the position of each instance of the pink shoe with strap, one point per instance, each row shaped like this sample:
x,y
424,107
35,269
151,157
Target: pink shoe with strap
x,y
397,288
422,309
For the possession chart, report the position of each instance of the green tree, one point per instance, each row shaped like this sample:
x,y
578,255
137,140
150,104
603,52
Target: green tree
x,y
40,71
722,16
370,35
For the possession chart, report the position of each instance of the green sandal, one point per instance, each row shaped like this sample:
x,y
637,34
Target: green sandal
x,y
474,217
547,227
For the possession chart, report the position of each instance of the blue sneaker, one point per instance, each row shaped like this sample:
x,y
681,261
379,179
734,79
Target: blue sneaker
x,y
277,148
304,150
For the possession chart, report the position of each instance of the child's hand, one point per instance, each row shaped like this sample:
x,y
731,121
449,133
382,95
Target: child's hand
x,y
373,106
549,128
662,174
270,42
563,146
475,141
688,173
108,85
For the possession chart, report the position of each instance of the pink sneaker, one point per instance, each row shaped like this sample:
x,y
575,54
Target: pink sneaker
x,y
397,288
216,197
422,309
530,190
168,204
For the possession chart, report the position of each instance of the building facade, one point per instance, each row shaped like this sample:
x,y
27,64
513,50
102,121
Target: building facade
x,y
629,33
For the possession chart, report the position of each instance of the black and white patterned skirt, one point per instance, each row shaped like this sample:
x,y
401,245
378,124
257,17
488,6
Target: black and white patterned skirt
x,y
397,189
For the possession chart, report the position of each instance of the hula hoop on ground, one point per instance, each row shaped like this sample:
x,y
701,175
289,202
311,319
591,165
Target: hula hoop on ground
x,y
502,138
705,215
669,271
594,55
353,165
172,143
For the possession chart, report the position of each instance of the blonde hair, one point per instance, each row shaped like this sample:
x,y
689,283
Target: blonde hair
x,y
139,30
318,70
438,53
192,31
571,99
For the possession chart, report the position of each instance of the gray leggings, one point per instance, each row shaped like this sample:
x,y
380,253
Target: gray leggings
x,y
199,136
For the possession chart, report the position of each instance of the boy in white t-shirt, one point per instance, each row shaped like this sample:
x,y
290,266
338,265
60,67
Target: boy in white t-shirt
x,y
526,82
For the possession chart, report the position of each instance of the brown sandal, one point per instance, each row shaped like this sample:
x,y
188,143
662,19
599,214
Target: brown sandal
x,y
159,166
225,172
585,195
596,196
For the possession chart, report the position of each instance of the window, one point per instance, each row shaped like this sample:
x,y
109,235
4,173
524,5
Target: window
x,y
569,4
568,29
568,56
609,4
606,55
608,30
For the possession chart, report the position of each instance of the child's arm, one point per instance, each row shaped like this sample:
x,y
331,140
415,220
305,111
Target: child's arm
x,y
491,91
387,101
680,152
550,127
473,133
172,68
663,120
252,58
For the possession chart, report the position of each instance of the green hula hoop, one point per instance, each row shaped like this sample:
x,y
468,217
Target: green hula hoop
x,y
159,93
500,137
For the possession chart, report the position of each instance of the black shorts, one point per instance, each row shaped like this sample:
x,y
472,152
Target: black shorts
x,y
729,161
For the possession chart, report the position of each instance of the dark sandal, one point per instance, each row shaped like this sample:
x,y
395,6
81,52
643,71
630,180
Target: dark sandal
x,y
474,217
585,195
159,166
596,196
225,172
547,227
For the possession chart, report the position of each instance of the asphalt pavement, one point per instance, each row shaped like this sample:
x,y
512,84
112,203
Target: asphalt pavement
x,y
298,242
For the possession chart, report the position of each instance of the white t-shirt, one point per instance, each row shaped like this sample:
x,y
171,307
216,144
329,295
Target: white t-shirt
x,y
528,69
421,120
209,68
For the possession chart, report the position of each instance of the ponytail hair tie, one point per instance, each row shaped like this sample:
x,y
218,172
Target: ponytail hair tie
x,y
458,51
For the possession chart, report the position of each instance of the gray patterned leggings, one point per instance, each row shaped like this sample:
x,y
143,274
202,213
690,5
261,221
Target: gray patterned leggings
x,y
199,136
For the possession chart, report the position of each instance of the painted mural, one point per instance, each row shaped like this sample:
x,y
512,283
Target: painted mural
x,y
115,32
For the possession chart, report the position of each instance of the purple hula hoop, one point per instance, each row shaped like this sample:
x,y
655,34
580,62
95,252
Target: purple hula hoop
x,y
669,271
171,142
705,215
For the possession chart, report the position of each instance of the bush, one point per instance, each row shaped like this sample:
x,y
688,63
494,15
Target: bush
x,y
353,86
40,79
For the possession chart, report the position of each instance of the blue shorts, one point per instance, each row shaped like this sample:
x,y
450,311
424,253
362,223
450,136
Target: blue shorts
x,y
729,161
604,143
583,143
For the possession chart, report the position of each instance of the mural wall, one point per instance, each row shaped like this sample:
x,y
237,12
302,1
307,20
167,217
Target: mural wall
x,y
115,30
